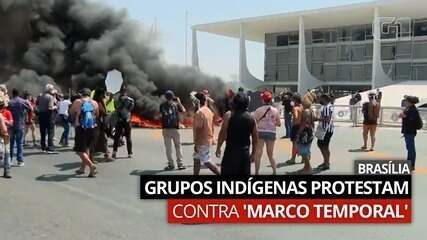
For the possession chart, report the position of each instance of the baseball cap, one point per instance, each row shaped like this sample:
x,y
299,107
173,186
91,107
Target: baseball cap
x,y
266,96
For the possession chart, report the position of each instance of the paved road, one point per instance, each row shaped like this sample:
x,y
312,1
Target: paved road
x,y
45,200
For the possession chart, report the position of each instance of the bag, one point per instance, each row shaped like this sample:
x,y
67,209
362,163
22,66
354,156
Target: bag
x,y
170,116
320,132
87,115
265,114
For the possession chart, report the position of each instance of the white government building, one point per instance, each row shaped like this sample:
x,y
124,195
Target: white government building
x,y
354,47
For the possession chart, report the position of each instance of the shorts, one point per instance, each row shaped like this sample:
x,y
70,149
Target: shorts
x,y
84,139
370,128
203,154
267,136
326,140
304,150
294,132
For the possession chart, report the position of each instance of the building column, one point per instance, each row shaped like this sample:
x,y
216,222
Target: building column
x,y
242,54
305,79
195,51
379,77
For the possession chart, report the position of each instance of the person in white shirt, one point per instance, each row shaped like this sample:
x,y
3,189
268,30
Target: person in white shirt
x,y
64,106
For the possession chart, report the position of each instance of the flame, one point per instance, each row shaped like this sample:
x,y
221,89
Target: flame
x,y
187,122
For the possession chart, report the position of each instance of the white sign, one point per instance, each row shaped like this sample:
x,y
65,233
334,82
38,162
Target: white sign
x,y
114,81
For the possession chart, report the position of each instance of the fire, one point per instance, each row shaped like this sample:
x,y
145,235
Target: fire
x,y
187,122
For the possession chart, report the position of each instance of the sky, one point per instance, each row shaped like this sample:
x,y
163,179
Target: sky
x,y
218,55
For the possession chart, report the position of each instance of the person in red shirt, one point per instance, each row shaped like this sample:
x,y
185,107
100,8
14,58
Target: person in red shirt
x,y
6,121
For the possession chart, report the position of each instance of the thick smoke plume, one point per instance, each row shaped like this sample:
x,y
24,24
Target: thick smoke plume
x,y
74,43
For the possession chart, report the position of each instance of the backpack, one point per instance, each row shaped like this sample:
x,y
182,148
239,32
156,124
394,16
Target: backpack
x,y
170,116
87,115
419,123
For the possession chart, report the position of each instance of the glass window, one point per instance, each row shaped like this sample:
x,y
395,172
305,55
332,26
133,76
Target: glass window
x,y
419,72
293,72
389,70
368,72
330,73
308,36
388,52
330,36
293,39
369,50
331,54
420,50
317,70
403,49
283,74
420,28
357,53
293,55
344,53
344,34
309,54
403,71
343,72
270,57
282,57
357,73
318,54
368,32
282,40
358,34
318,37
389,31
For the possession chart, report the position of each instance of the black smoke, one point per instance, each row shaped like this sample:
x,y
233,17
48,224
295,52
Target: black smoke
x,y
74,43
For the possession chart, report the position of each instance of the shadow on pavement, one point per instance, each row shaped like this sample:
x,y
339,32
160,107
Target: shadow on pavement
x,y
68,166
55,177
146,172
28,154
358,150
315,171
284,164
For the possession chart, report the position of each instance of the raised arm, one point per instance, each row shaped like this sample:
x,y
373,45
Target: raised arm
x,y
222,137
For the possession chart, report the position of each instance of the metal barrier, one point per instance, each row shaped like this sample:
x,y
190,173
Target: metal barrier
x,y
389,116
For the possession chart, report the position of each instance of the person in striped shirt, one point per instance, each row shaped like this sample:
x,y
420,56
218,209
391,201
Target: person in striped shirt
x,y
327,125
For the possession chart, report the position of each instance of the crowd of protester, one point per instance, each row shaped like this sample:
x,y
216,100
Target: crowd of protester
x,y
95,116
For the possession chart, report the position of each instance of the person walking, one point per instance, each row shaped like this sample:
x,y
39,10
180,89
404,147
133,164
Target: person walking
x,y
411,123
267,118
287,112
19,108
371,113
203,135
47,111
297,118
85,112
237,130
29,122
325,130
170,110
4,141
64,107
101,140
124,107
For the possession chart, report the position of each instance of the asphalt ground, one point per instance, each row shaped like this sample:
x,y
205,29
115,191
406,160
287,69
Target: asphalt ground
x,y
46,200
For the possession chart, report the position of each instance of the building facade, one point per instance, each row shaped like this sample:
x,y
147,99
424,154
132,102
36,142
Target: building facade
x,y
353,47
